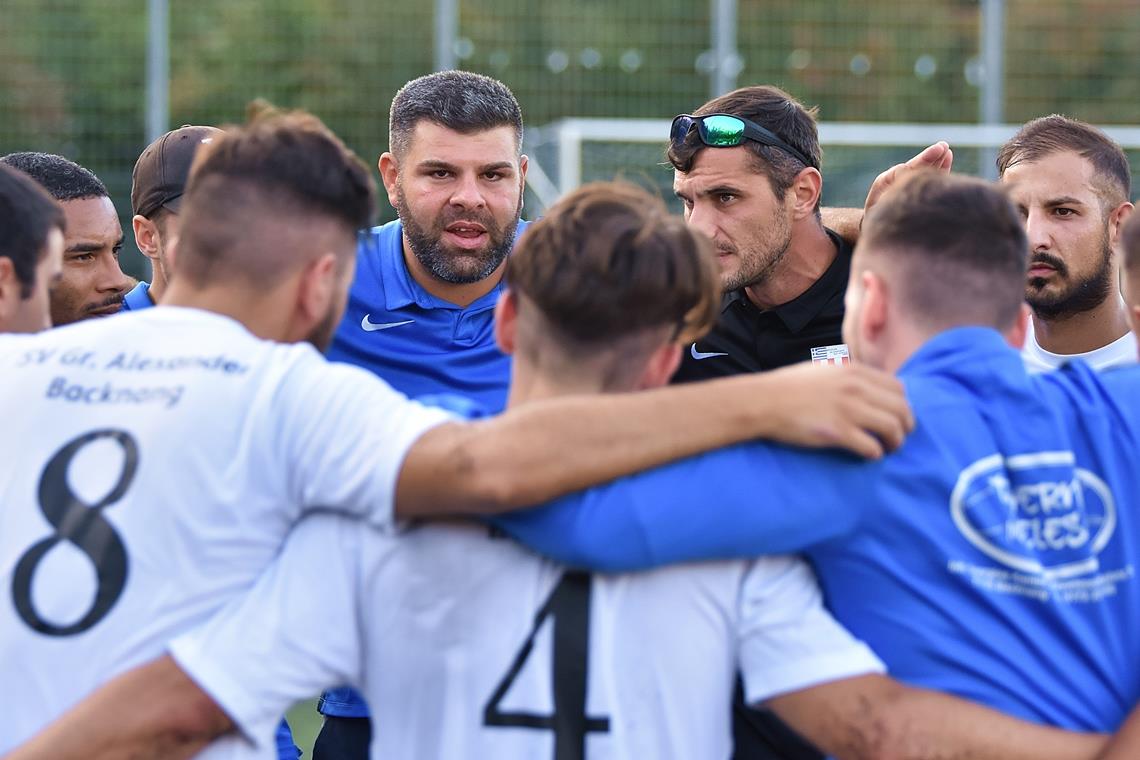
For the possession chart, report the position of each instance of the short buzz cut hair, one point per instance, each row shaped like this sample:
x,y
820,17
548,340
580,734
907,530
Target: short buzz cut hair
x,y
64,180
776,111
459,100
1054,134
959,246
256,190
27,216
608,261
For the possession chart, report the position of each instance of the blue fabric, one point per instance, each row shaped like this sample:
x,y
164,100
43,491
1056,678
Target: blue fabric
x,y
422,346
138,298
418,343
992,556
286,749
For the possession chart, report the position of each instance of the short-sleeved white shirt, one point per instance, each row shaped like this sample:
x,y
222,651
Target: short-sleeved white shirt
x,y
469,646
173,449
1121,352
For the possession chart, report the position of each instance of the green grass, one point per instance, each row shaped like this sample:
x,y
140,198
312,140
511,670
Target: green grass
x,y
306,722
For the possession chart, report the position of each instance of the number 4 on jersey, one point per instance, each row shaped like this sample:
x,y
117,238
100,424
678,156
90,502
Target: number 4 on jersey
x,y
569,605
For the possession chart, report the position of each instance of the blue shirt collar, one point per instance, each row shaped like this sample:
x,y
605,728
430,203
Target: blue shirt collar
x,y
138,298
401,289
965,351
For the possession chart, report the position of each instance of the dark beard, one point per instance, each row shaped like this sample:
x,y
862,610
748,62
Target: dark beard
x,y
1084,295
445,265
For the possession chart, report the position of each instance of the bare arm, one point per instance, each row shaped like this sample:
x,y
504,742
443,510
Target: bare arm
x,y
845,222
544,450
876,717
1126,744
154,711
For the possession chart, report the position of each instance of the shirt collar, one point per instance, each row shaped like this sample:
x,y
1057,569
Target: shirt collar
x,y
400,288
963,351
801,310
138,297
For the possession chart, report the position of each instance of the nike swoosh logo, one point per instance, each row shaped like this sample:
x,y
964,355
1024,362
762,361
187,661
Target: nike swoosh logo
x,y
698,355
373,326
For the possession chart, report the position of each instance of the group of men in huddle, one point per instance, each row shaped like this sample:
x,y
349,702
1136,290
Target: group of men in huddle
x,y
927,553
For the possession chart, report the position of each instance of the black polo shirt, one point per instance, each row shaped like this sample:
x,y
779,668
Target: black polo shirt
x,y
750,339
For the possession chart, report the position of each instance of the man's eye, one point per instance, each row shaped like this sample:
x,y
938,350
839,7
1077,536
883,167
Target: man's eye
x,y
441,174
1064,211
726,197
493,176
83,257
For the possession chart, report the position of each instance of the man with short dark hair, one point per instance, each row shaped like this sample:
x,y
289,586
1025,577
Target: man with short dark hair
x,y
157,185
1003,532
31,252
420,313
421,309
91,283
1072,185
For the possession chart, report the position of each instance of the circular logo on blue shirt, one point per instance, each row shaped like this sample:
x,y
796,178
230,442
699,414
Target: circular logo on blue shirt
x,y
1036,513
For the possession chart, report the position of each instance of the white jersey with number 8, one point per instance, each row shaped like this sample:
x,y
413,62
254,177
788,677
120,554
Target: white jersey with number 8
x,y
153,464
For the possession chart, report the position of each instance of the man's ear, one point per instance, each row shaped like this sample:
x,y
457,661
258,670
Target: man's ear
x,y
10,295
316,290
146,236
806,189
506,321
389,174
660,367
874,312
1015,336
1116,219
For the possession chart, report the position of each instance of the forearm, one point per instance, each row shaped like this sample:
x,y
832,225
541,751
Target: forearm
x,y
1126,744
876,717
543,450
154,711
845,222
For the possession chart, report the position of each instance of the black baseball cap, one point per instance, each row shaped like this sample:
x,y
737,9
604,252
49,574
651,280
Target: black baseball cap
x,y
159,178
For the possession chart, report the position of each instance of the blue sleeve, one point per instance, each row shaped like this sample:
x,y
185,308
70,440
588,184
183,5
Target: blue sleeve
x,y
739,502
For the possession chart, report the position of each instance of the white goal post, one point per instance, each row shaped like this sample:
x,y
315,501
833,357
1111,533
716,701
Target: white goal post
x,y
568,136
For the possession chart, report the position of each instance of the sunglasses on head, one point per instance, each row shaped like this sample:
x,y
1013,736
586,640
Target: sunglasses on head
x,y
722,130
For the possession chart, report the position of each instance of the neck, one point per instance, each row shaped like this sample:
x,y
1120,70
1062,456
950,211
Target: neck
x,y
463,294
530,383
1083,332
157,287
259,312
809,254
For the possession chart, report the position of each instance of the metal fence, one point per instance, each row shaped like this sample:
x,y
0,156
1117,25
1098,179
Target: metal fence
x,y
91,79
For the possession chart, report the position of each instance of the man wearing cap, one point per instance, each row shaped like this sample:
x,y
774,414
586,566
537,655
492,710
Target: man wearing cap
x,y
157,183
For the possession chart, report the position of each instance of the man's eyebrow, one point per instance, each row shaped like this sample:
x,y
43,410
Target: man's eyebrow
x,y
1065,200
85,246
435,163
720,190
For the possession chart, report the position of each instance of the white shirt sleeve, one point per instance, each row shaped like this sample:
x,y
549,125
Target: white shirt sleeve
x,y
787,639
296,632
346,434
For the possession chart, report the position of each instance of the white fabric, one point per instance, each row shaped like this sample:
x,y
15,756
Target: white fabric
x,y
1121,352
428,624
235,438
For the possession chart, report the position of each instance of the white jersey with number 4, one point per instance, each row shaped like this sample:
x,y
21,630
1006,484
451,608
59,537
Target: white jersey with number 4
x,y
467,646
153,464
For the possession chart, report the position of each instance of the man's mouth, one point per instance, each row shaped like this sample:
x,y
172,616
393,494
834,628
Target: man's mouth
x,y
466,234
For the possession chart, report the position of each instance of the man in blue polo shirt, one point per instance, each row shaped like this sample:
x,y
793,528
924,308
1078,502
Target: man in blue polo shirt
x,y
157,184
993,556
421,307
